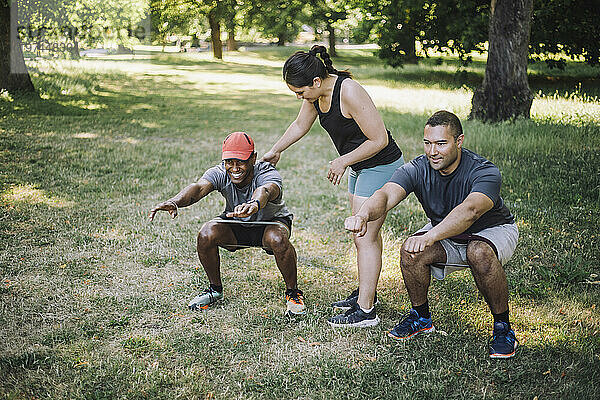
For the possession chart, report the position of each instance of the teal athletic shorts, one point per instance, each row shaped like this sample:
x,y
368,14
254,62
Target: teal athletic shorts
x,y
366,181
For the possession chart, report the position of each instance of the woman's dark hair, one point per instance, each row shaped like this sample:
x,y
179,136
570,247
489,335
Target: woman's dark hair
x,y
446,118
303,66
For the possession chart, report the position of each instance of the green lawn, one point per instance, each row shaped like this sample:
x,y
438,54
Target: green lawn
x,y
93,297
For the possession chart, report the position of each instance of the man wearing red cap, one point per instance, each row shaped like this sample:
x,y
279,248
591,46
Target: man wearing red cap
x,y
253,193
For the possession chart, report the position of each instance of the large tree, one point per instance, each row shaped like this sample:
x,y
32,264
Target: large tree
x,y
220,12
214,21
14,76
504,93
175,16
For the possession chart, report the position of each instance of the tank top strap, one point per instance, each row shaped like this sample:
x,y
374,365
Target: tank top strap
x,y
335,98
337,95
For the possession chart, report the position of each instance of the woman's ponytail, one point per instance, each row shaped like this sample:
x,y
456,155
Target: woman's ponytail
x,y
322,52
302,67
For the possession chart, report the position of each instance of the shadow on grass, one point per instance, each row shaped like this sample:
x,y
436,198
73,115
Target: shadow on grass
x,y
27,105
438,368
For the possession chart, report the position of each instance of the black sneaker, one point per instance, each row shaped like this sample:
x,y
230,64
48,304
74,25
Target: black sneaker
x,y
350,301
355,317
503,343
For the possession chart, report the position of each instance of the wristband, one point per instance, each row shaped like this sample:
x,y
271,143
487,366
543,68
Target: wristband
x,y
175,204
257,203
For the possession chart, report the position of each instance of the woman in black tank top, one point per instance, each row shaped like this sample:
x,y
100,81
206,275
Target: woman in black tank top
x,y
348,114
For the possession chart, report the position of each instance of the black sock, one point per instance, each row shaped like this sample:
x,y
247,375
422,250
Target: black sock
x,y
216,288
423,310
502,317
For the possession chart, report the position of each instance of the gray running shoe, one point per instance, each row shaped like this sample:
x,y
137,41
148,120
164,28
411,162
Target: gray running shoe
x,y
206,298
356,318
350,301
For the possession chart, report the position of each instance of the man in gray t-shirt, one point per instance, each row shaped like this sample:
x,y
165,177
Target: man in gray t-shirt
x,y
470,227
255,216
264,174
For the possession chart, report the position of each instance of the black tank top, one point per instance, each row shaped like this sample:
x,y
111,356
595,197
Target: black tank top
x,y
347,136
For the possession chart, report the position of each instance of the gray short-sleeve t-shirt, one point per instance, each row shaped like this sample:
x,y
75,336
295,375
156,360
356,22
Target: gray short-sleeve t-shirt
x,y
439,194
264,173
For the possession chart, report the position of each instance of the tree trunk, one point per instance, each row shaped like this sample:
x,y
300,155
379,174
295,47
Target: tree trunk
x,y
411,48
13,71
281,38
195,41
331,30
504,93
74,51
231,44
215,34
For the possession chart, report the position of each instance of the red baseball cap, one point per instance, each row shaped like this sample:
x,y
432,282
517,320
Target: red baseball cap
x,y
238,145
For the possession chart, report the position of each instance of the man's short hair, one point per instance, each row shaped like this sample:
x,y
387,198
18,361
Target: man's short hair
x,y
446,118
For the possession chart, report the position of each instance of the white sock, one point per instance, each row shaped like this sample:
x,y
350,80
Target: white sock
x,y
367,311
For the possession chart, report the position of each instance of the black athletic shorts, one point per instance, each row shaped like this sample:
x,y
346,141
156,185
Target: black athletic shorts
x,y
252,235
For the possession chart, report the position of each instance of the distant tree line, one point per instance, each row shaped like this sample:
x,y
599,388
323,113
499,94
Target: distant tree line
x,y
558,27
405,30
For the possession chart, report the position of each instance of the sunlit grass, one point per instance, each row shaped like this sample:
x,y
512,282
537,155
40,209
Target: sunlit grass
x,y
15,195
568,109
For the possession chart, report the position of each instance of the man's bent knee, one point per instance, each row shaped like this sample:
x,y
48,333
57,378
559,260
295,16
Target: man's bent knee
x,y
432,254
408,260
481,256
207,237
277,241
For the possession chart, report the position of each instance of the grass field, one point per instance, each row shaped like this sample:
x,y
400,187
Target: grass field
x,y
93,297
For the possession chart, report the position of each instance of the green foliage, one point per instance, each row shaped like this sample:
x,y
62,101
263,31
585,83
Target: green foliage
x,y
85,22
451,26
565,27
399,28
362,32
559,28
279,19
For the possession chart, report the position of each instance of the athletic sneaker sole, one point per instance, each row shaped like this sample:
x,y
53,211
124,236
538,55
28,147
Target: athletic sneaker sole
x,y
366,323
291,314
204,307
428,330
197,306
499,355
295,309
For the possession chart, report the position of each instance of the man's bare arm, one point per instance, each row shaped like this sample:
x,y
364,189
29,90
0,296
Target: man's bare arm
x,y
456,222
188,196
376,206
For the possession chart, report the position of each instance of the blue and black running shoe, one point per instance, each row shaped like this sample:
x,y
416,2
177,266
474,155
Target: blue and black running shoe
x,y
410,325
503,343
